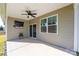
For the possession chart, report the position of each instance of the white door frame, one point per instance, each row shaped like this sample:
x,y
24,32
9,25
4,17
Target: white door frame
x,y
32,30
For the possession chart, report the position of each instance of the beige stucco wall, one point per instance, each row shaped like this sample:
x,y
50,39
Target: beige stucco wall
x,y
12,32
65,37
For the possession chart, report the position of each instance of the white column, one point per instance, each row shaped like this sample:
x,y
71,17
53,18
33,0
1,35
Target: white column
x,y
76,27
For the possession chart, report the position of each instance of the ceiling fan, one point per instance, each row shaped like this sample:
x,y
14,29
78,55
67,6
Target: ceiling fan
x,y
29,13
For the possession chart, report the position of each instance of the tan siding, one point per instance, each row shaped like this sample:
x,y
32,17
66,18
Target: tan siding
x,y
65,37
12,33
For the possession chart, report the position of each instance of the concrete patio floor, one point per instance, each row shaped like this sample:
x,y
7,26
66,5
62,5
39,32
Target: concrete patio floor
x,y
31,47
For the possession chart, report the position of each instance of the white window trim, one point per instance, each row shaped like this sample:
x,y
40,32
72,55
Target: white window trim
x,y
46,26
32,29
53,24
49,25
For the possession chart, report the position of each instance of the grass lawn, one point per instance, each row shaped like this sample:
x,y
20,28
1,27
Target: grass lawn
x,y
2,40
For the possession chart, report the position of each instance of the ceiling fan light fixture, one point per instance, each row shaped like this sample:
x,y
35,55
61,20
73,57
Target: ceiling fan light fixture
x,y
29,13
27,16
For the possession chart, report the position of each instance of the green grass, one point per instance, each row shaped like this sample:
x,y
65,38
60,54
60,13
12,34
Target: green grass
x,y
2,40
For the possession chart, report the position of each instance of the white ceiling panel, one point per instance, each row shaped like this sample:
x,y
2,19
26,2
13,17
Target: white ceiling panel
x,y
16,9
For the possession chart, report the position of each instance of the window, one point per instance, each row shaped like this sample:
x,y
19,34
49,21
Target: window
x,y
43,25
18,24
49,24
52,26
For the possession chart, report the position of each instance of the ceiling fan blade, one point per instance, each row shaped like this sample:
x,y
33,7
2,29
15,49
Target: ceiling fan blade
x,y
27,16
28,11
34,13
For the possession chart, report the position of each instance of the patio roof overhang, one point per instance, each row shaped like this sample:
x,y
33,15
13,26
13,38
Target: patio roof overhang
x,y
15,9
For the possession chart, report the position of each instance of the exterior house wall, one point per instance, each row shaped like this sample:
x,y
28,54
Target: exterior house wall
x,y
12,32
65,36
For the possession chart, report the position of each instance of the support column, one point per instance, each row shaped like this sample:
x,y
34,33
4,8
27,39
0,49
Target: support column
x,y
76,28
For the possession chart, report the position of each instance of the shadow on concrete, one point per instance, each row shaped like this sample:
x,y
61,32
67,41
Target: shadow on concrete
x,y
31,40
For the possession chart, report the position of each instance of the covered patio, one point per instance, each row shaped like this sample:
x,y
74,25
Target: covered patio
x,y
55,28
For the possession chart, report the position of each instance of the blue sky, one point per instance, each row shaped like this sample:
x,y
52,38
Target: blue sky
x,y
1,22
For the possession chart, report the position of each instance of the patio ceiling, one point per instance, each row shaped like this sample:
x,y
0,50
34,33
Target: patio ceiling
x,y
16,9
